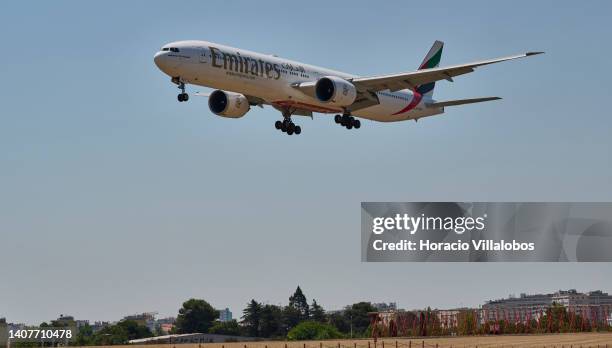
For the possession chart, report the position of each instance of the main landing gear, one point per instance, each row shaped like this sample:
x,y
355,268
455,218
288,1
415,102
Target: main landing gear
x,y
286,125
182,97
347,121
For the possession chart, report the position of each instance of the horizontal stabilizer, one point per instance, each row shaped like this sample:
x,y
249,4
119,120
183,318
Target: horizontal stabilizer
x,y
460,102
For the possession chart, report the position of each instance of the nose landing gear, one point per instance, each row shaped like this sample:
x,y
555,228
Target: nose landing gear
x,y
182,97
347,121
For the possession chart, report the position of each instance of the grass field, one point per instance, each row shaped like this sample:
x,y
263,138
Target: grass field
x,y
574,340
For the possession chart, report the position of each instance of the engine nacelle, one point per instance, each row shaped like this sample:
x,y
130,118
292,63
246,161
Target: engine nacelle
x,y
336,91
228,104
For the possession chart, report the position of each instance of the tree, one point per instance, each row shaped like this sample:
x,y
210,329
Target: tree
x,y
298,301
225,328
357,316
271,324
291,317
317,313
251,317
110,335
84,336
119,333
340,322
310,330
195,316
133,330
466,323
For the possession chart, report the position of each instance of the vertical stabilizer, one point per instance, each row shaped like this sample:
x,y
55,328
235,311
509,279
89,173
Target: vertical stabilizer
x,y
432,60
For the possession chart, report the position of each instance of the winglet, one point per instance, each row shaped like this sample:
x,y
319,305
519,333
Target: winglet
x,y
533,53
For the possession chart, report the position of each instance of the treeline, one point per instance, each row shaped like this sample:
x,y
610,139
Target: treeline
x,y
298,320
119,333
301,320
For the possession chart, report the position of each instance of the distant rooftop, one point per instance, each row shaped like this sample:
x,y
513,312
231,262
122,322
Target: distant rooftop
x,y
525,296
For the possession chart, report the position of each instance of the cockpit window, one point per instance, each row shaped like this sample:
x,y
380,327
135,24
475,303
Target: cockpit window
x,y
165,49
174,49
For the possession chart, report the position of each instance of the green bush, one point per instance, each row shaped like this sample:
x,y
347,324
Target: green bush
x,y
225,328
310,330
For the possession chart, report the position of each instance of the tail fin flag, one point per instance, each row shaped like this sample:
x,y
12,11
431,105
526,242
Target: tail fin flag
x,y
432,60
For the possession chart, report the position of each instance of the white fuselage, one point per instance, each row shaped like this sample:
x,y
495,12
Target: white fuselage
x,y
271,78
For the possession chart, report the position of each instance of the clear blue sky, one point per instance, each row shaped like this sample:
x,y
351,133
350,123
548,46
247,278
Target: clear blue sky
x,y
116,199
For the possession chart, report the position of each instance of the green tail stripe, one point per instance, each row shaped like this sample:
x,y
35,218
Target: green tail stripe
x,y
433,61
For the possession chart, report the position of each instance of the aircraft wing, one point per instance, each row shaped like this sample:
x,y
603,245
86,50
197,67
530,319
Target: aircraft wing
x,y
413,79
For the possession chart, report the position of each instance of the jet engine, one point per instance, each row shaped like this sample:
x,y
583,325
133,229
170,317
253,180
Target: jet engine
x,y
335,90
228,104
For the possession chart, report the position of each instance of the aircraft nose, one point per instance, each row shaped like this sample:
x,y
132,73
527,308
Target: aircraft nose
x,y
160,59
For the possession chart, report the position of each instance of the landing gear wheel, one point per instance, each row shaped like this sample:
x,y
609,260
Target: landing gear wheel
x,y
287,125
346,120
349,126
182,97
338,119
356,124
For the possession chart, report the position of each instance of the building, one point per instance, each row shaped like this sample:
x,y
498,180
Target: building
x,y
166,328
81,323
165,325
141,319
449,318
64,320
594,306
16,326
517,309
99,325
145,319
68,320
167,320
225,315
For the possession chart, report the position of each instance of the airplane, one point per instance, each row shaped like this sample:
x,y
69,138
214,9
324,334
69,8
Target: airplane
x,y
242,79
